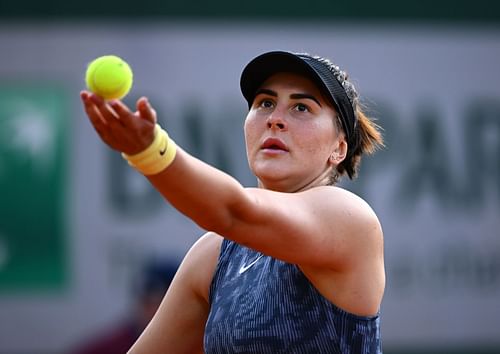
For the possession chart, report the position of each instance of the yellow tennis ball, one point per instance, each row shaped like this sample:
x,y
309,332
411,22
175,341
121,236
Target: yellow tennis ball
x,y
109,76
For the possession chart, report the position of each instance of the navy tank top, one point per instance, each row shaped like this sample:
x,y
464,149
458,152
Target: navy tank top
x,y
259,304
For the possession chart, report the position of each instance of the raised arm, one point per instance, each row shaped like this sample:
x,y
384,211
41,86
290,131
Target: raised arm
x,y
318,227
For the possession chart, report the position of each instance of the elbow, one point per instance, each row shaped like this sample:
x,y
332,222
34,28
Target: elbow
x,y
226,221
220,224
219,220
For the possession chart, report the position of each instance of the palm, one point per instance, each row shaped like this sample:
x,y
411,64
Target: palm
x,y
121,129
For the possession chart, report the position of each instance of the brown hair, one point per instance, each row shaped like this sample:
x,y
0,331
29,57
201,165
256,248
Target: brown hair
x,y
367,139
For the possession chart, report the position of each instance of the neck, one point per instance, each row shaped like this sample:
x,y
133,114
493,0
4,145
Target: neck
x,y
286,187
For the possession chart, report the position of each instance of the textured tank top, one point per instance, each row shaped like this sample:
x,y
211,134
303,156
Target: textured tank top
x,y
259,304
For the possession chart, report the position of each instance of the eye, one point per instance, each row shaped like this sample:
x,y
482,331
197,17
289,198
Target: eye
x,y
300,107
267,103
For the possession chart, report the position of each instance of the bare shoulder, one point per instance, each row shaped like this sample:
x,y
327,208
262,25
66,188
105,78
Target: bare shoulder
x,y
353,239
338,194
344,204
209,243
199,264
350,218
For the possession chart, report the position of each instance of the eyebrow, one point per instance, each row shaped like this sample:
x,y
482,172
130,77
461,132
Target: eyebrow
x,y
266,92
298,96
295,96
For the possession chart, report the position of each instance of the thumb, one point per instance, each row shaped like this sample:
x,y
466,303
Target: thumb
x,y
145,110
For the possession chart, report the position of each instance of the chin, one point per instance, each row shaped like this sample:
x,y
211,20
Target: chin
x,y
270,173
274,181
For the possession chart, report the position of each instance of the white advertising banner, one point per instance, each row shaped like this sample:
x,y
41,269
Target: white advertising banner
x,y
435,187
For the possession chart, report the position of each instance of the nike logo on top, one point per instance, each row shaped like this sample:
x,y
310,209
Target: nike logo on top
x,y
244,268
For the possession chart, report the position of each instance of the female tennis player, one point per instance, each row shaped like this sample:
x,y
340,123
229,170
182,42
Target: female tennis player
x,y
295,265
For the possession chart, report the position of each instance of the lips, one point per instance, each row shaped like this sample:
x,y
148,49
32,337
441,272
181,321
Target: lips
x,y
274,144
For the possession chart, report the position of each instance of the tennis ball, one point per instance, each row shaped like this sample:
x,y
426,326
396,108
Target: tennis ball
x,y
109,76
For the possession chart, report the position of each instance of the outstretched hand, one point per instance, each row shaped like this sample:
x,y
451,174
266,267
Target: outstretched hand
x,y
121,129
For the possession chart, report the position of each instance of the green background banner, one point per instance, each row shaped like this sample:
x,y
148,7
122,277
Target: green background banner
x,y
32,186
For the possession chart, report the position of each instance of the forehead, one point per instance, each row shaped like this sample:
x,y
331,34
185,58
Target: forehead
x,y
296,83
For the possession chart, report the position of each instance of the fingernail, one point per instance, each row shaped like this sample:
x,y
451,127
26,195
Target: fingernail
x,y
144,104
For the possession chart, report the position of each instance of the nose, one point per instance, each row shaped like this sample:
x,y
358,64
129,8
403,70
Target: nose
x,y
276,121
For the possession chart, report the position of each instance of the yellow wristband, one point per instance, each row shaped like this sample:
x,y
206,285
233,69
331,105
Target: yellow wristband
x,y
156,157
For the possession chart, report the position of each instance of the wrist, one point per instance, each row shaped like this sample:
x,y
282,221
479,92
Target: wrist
x,y
156,157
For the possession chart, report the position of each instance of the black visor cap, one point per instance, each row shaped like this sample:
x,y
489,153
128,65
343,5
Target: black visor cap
x,y
262,67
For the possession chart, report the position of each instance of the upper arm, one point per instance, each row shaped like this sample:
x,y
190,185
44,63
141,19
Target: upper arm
x,y
318,227
179,323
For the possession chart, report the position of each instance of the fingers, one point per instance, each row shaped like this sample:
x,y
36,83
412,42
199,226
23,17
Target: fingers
x,y
104,119
106,111
145,110
94,115
117,126
123,113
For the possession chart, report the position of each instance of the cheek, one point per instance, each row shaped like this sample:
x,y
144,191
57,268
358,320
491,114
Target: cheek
x,y
317,140
250,129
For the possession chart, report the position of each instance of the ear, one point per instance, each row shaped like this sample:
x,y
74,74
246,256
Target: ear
x,y
338,155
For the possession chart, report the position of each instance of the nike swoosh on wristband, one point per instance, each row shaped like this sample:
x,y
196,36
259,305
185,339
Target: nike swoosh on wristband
x,y
246,267
162,151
